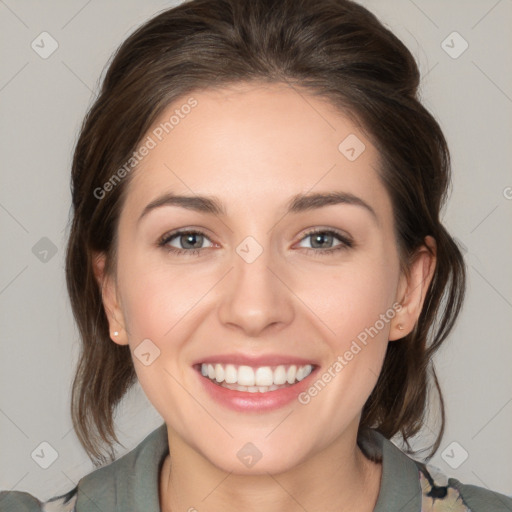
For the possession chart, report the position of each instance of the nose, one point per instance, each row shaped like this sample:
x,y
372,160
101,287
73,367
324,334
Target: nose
x,y
255,296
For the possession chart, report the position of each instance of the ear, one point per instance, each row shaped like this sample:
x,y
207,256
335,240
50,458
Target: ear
x,y
412,289
111,303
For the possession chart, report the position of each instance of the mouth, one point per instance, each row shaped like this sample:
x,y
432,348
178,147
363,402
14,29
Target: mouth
x,y
260,379
258,385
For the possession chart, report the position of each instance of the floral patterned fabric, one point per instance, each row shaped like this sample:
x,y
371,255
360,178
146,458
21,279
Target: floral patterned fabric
x,y
437,495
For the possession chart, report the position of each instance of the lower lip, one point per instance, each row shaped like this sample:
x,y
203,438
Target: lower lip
x,y
258,402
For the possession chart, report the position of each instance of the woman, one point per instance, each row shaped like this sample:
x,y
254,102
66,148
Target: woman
x,y
256,240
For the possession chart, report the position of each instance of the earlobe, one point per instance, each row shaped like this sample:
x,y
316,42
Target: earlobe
x,y
412,290
109,295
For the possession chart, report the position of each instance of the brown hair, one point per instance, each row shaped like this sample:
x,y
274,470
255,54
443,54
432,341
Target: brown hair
x,y
335,49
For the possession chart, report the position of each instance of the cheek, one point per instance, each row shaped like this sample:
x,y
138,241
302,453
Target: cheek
x,y
159,298
158,305
357,307
350,299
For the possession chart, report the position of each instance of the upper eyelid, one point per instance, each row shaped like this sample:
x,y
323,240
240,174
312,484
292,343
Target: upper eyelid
x,y
183,231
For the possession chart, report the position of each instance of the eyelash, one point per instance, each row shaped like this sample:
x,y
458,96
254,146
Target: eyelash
x,y
346,243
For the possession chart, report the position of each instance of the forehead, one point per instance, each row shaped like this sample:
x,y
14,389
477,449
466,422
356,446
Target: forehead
x,y
255,143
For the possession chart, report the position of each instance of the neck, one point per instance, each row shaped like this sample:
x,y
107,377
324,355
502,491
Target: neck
x,y
338,478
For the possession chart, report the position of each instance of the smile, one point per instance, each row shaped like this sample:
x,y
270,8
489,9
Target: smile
x,y
255,379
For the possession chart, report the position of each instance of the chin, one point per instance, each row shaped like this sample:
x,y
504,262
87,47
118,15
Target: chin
x,y
255,458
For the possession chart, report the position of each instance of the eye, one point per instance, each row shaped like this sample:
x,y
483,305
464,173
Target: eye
x,y
190,240
321,237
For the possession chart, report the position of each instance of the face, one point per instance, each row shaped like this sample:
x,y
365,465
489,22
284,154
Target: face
x,y
266,319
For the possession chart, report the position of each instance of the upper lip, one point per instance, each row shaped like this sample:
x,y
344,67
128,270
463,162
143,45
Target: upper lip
x,y
255,361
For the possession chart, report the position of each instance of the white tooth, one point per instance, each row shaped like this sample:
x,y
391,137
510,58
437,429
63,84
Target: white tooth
x,y
219,373
252,389
273,387
204,370
263,376
241,388
290,376
230,375
245,376
280,375
262,389
301,373
211,372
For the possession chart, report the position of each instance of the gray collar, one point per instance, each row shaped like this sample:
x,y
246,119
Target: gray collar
x,y
131,482
400,488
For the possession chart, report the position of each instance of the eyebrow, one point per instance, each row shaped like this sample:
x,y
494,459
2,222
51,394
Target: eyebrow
x,y
297,204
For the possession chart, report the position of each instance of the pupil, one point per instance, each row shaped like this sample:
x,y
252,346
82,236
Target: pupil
x,y
319,237
190,238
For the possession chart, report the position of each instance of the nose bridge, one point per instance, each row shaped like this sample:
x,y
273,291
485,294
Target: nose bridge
x,y
254,297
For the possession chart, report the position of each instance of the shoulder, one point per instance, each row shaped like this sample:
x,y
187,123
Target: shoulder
x,y
16,501
116,486
443,494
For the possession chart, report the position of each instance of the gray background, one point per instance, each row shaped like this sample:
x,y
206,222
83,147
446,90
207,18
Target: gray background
x,y
43,102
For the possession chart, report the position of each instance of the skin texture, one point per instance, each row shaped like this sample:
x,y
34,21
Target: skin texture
x,y
254,147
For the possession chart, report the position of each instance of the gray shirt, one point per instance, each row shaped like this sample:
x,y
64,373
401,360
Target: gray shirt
x,y
130,484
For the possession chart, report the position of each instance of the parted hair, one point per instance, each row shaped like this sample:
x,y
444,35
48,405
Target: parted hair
x,y
333,49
